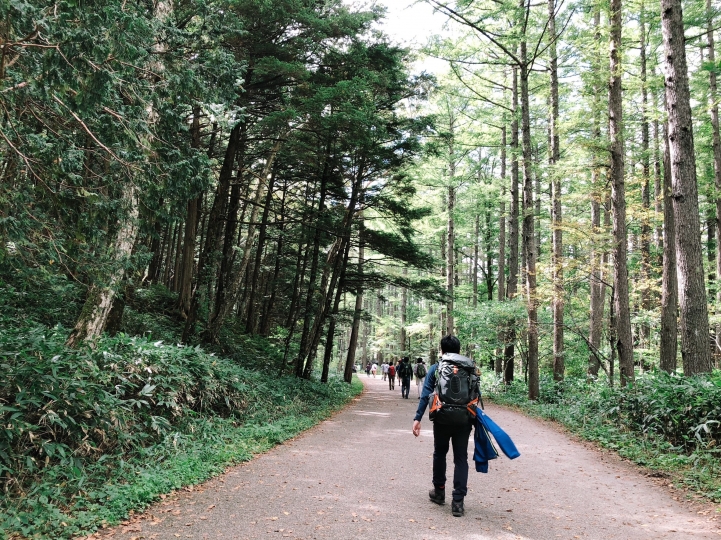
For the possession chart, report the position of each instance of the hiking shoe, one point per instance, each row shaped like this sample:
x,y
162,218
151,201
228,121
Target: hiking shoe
x,y
457,508
437,496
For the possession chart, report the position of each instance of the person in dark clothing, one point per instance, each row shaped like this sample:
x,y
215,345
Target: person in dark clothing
x,y
445,436
405,371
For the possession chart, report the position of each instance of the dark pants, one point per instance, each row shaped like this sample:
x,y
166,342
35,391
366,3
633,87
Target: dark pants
x,y
391,382
405,386
443,436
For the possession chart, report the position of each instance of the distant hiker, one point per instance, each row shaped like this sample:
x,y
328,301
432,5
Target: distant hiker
x,y
452,383
384,369
419,370
368,369
405,371
374,368
391,376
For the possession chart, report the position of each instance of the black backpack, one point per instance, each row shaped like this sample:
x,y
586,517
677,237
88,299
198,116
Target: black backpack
x,y
405,369
456,394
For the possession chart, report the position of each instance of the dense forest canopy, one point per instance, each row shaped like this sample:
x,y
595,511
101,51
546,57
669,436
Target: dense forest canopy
x,y
276,169
206,204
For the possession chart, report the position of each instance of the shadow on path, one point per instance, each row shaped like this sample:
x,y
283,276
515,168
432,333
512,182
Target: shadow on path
x,y
362,475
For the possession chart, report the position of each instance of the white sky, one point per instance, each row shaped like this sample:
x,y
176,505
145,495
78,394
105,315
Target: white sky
x,y
412,23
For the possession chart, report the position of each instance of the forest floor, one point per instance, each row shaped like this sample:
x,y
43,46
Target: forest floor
x,y
362,474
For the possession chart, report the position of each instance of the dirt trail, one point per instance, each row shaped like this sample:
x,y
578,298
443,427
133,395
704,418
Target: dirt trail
x,y
362,474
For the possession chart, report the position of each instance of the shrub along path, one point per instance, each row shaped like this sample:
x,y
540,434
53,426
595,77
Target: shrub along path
x,y
362,474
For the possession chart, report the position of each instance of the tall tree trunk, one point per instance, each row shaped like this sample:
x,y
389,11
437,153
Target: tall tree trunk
x,y
225,306
474,274
250,322
669,296
450,230
192,219
646,187
689,261
529,240
559,366
358,311
502,223
713,106
268,307
512,289
404,311
596,286
214,232
99,301
311,293
624,340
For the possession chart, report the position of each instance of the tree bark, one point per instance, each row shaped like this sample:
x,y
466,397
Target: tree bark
x,y
559,367
223,308
713,106
669,295
529,240
689,261
358,311
597,287
450,228
624,340
512,289
99,301
646,185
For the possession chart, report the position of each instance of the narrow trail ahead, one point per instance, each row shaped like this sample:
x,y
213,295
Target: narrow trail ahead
x,y
362,474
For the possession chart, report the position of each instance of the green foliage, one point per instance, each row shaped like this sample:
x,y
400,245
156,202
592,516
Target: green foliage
x,y
664,422
90,434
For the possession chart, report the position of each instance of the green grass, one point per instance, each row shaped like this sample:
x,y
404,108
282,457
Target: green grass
x,y
657,424
89,435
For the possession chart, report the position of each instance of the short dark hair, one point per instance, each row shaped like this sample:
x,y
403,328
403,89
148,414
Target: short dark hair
x,y
450,344
419,361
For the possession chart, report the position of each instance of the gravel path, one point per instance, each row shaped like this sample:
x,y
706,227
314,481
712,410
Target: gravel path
x,y
362,474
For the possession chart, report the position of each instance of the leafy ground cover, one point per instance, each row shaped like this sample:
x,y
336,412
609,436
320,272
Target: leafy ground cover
x,y
666,423
89,435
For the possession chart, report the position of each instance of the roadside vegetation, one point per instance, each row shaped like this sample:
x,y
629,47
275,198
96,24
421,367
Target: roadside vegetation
x,y
90,434
668,424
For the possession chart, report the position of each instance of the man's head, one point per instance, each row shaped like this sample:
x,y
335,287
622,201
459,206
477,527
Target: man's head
x,y
419,361
450,344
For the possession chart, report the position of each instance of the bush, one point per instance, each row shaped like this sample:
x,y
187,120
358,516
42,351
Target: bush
x,y
89,434
663,421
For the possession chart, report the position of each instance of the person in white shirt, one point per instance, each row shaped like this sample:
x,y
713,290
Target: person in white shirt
x,y
384,369
374,368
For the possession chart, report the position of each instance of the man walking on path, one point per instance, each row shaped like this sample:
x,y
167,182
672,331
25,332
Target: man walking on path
x,y
374,368
444,433
420,372
391,376
384,369
405,372
368,369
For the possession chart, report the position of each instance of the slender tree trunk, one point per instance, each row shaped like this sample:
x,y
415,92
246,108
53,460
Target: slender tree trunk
x,y
223,308
624,340
669,295
358,311
250,323
713,106
689,261
512,289
646,187
99,301
450,229
214,230
475,260
529,240
268,307
559,366
597,267
404,311
502,223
